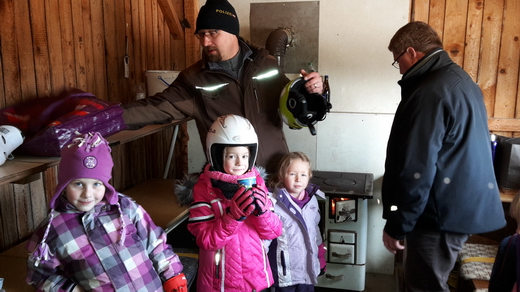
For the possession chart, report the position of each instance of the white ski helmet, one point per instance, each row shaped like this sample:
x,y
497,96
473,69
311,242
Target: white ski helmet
x,y
230,131
299,108
10,138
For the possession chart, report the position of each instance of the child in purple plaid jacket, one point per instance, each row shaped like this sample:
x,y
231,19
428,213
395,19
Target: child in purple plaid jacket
x,y
96,239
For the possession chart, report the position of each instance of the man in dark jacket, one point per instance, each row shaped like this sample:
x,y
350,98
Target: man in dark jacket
x,y
234,77
439,185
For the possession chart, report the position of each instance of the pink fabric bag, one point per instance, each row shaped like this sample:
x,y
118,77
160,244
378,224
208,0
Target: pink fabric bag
x,y
51,123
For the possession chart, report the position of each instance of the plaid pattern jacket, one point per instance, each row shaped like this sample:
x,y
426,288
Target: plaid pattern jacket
x,y
95,251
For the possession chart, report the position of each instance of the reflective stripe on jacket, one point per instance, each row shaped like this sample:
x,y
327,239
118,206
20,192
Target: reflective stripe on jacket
x,y
205,94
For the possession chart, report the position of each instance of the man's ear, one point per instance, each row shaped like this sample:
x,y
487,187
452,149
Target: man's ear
x,y
412,52
416,55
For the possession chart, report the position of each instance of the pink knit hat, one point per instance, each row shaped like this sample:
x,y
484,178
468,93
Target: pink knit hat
x,y
88,156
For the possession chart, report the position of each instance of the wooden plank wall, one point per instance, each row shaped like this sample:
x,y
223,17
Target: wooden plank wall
x,y
482,36
52,45
48,46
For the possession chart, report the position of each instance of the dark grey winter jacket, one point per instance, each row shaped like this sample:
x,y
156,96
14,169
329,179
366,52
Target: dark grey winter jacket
x,y
439,172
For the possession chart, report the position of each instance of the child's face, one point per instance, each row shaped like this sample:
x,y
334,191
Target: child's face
x,y
85,193
236,160
296,177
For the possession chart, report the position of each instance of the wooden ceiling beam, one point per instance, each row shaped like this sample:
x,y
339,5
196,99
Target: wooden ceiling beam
x,y
172,20
191,10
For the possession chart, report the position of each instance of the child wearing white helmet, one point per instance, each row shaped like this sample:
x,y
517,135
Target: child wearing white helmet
x,y
230,219
96,239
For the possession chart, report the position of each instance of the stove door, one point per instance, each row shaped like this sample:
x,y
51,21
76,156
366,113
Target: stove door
x,y
342,247
346,211
343,277
342,253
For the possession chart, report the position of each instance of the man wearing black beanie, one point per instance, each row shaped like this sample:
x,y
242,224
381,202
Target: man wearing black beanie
x,y
218,14
233,77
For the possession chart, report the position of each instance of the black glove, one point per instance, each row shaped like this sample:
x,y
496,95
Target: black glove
x,y
241,204
261,201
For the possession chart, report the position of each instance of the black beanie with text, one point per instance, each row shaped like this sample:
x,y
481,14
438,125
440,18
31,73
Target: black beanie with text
x,y
218,14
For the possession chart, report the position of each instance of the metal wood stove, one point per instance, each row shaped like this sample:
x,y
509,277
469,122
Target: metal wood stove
x,y
344,221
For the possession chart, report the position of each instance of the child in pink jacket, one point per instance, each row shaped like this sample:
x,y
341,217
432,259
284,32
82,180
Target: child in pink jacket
x,y
230,219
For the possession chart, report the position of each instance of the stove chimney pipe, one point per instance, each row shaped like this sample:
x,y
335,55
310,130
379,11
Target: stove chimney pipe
x,y
277,43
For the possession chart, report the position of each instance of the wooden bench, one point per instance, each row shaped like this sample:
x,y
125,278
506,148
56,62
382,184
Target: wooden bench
x,y
13,268
157,197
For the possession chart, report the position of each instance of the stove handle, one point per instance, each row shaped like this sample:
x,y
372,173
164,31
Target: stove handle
x,y
341,256
347,213
332,277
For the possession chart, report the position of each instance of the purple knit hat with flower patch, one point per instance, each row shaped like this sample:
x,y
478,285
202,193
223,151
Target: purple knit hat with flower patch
x,y
88,156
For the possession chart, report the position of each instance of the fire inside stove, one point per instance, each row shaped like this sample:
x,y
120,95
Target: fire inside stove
x,y
343,209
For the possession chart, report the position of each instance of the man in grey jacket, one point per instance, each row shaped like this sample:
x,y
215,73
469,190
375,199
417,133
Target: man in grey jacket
x,y
439,185
234,77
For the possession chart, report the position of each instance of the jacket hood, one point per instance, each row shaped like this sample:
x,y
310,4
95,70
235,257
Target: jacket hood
x,y
184,189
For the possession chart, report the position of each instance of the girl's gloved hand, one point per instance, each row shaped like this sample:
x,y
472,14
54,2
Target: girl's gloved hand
x,y
241,204
261,201
321,256
176,284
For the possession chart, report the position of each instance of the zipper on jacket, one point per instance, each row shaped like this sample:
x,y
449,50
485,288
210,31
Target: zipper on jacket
x,y
260,77
217,263
282,260
256,97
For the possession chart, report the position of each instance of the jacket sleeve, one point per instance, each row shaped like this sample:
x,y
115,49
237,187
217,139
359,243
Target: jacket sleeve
x,y
174,103
212,231
47,275
319,242
165,261
420,138
268,225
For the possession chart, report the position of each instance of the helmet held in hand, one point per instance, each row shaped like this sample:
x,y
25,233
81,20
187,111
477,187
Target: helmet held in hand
x,y
300,108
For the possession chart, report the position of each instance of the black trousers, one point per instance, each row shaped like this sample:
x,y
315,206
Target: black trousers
x,y
429,257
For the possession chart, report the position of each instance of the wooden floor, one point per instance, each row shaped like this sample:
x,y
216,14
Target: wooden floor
x,y
373,283
380,282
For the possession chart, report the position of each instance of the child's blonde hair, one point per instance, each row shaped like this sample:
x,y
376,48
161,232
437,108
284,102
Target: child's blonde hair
x,y
514,208
287,159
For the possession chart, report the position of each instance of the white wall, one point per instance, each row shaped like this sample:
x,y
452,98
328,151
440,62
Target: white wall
x,y
354,37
